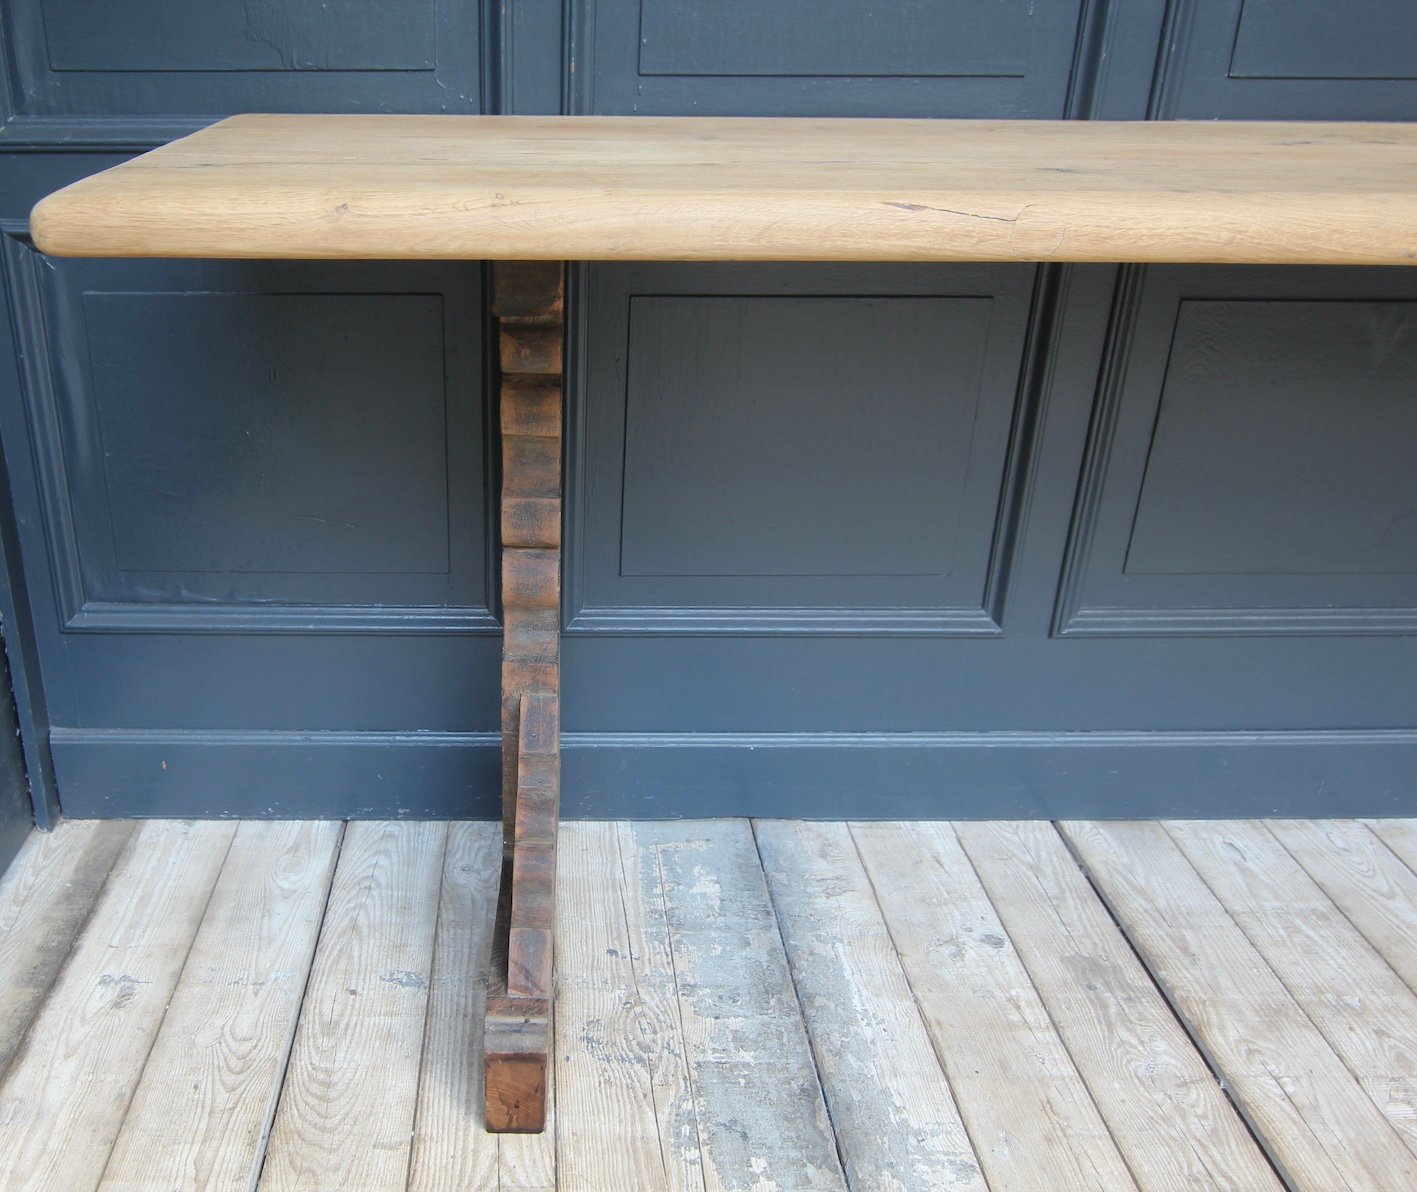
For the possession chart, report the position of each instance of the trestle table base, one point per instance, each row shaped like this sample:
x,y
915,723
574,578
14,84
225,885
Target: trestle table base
x,y
529,303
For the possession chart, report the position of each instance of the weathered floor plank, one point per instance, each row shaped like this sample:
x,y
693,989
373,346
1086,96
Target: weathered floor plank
x,y
1029,1113
1163,1106
346,1113
651,945
1400,835
625,1116
1366,881
46,897
63,1101
897,1125
451,1150
757,1097
1363,1008
1322,1130
200,1117
149,990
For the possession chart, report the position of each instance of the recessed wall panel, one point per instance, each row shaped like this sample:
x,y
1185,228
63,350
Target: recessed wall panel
x,y
797,447
1283,442
255,437
1251,465
830,58
1289,60
1318,39
180,35
799,436
185,60
843,39
277,413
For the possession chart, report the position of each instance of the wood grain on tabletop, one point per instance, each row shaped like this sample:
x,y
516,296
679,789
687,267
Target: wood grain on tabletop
x,y
705,188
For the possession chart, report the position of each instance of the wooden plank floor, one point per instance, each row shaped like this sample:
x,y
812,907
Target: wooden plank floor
x,y
742,1007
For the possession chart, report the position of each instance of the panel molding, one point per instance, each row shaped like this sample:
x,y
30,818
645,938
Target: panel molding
x,y
97,616
1082,609
78,613
527,74
39,389
1115,59
1178,27
1005,91
1194,81
58,134
1214,622
44,100
1097,453
21,132
651,59
812,622
907,618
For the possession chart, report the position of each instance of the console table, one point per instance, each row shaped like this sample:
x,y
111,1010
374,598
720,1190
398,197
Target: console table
x,y
532,192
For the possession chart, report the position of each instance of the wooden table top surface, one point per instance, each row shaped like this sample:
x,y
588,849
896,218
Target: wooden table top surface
x,y
775,189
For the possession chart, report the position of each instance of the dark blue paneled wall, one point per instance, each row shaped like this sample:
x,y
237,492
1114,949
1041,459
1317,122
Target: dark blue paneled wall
x,y
848,541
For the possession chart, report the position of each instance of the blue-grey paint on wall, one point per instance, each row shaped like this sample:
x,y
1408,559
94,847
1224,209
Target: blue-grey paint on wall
x,y
1056,541
16,817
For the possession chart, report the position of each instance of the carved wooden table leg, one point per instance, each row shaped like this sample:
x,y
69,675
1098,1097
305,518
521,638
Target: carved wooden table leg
x,y
528,302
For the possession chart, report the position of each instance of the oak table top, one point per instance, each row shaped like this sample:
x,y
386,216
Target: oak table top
x,y
749,189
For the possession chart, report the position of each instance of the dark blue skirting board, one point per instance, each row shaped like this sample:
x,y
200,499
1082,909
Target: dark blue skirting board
x,y
131,773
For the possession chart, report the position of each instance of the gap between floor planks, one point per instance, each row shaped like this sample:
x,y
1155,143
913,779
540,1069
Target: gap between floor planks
x,y
778,1005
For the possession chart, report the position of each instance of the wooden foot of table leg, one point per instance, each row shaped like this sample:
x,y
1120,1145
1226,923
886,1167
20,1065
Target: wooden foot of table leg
x,y
528,302
518,1033
516,1092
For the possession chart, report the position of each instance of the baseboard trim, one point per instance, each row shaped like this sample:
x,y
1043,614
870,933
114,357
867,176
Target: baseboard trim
x,y
150,773
1012,775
